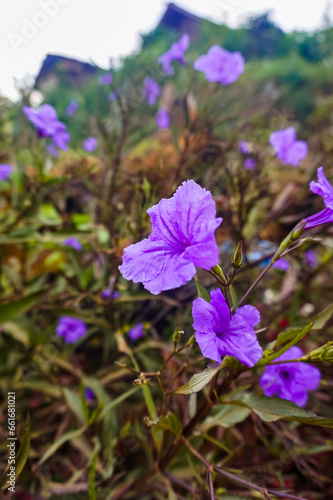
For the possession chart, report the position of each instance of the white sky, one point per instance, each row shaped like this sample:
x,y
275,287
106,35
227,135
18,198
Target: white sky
x,y
99,29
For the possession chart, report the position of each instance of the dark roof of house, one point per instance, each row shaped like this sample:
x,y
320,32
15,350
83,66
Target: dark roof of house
x,y
175,17
64,65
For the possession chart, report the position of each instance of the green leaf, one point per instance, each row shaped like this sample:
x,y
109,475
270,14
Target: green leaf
x,y
75,404
198,381
296,337
21,456
48,215
271,409
202,292
92,476
321,319
59,442
13,310
168,423
116,402
235,303
225,416
39,386
17,333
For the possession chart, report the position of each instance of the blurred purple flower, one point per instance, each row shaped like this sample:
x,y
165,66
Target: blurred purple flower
x,y
89,394
113,96
175,53
106,294
322,188
220,65
52,150
290,381
220,334
163,118
310,258
72,329
250,163
46,121
72,107
182,237
287,149
105,79
90,144
136,332
6,171
151,90
244,147
73,242
281,264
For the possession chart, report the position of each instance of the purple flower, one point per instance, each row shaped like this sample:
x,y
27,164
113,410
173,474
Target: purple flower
x,y
250,163
175,53
105,79
310,258
71,108
90,144
136,332
163,118
182,237
151,90
72,329
89,394
106,294
220,334
244,147
6,171
116,295
73,242
287,149
113,96
46,121
220,65
281,264
52,150
324,189
290,380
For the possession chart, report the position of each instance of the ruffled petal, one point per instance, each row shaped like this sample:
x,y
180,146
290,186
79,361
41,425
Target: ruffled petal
x,y
282,139
206,317
323,217
220,304
209,345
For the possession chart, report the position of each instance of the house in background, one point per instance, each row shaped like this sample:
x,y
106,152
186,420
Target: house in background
x,y
56,69
181,20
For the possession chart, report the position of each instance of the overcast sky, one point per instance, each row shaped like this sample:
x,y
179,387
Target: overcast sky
x,y
99,29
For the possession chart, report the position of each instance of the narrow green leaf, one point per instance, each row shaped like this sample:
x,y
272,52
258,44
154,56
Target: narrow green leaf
x,y
65,437
17,333
225,416
92,476
40,386
271,409
13,310
235,303
21,456
116,402
321,319
75,404
198,381
202,292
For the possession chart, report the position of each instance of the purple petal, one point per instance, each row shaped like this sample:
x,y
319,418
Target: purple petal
x,y
6,171
323,217
73,242
163,118
220,65
136,332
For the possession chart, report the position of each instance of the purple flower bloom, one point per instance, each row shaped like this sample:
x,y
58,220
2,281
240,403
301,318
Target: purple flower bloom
x,y
6,171
71,108
46,121
116,295
163,118
52,150
324,189
73,242
175,53
89,394
220,65
106,294
290,380
310,258
72,329
151,90
136,332
113,96
250,163
105,79
287,149
220,334
182,237
244,147
90,144
281,264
